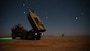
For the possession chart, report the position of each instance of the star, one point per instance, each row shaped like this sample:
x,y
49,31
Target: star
x,y
76,18
46,17
24,12
23,4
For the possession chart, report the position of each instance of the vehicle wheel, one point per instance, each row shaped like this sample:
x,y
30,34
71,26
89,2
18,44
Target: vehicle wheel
x,y
13,36
30,37
38,36
23,37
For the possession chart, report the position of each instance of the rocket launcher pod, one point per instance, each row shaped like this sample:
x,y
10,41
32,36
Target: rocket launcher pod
x,y
35,21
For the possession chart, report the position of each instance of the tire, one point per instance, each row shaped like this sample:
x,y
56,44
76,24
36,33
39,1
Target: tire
x,y
13,36
38,37
30,37
23,36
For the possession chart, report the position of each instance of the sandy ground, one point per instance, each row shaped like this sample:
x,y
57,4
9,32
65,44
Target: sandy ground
x,y
48,43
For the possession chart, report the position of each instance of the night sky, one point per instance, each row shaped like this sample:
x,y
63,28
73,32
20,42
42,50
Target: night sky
x,y
70,17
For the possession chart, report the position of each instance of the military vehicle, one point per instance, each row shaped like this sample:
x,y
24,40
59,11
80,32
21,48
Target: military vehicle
x,y
35,33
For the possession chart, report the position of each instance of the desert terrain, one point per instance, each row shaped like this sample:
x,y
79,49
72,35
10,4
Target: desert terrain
x,y
48,43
